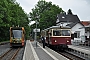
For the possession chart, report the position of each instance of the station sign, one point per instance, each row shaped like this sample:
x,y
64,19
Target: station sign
x,y
36,30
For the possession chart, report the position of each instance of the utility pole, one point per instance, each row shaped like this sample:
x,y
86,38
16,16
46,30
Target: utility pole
x,y
37,17
36,34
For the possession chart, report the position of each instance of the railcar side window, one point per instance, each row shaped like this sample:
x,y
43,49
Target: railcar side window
x,y
56,33
65,32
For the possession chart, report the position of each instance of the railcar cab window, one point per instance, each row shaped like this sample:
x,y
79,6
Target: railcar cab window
x,y
56,32
17,33
61,32
65,32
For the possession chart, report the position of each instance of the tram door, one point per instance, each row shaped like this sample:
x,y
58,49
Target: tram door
x,y
48,37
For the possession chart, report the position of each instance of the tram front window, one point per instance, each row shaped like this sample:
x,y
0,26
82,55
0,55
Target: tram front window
x,y
17,33
56,32
65,32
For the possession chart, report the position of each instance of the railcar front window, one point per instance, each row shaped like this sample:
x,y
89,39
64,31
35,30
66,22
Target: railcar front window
x,y
65,32
17,33
56,33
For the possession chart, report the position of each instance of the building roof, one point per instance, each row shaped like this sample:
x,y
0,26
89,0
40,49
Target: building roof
x,y
71,19
67,18
55,27
73,24
85,23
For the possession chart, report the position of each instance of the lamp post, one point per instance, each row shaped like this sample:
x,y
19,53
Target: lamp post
x,y
36,30
36,33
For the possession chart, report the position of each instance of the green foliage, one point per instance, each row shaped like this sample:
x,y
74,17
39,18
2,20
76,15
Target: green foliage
x,y
45,13
11,14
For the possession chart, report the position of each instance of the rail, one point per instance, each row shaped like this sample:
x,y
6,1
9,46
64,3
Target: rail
x,y
10,54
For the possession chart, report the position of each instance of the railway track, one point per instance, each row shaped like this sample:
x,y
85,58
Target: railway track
x,y
10,54
70,56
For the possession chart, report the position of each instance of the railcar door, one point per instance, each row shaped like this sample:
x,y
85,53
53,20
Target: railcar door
x,y
49,36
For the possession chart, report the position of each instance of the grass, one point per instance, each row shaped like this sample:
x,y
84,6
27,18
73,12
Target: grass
x,y
4,41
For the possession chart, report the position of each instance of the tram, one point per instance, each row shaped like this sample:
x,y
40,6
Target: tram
x,y
17,36
57,37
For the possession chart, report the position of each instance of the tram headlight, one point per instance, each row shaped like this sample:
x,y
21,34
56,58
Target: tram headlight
x,y
67,41
55,40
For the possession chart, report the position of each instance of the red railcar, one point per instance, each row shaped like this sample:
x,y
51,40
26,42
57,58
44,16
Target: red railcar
x,y
58,37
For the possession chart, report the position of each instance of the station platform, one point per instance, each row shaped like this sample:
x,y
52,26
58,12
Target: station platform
x,y
37,52
80,48
82,51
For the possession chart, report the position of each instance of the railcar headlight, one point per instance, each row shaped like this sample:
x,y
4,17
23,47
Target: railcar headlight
x,y
67,41
55,40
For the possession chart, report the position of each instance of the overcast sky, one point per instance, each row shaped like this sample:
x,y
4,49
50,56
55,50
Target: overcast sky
x,y
78,7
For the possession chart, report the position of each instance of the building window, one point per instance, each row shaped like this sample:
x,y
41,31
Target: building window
x,y
77,34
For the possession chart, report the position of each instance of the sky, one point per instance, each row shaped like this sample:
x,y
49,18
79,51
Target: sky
x,y
78,7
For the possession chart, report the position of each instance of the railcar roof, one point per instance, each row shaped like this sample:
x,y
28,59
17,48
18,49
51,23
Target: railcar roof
x,y
17,28
53,27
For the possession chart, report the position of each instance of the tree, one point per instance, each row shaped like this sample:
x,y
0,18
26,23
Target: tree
x,y
11,14
46,13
